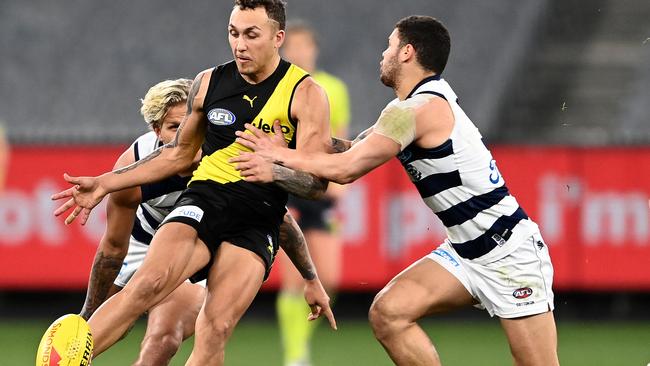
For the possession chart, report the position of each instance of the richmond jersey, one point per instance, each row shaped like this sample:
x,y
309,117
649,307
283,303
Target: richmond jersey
x,y
157,198
231,102
461,184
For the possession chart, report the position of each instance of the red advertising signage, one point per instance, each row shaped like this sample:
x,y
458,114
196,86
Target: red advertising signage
x,y
593,206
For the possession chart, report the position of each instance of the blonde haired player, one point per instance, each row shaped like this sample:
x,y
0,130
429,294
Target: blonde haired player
x,y
133,216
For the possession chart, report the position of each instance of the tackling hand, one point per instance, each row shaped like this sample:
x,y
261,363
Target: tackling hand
x,y
258,167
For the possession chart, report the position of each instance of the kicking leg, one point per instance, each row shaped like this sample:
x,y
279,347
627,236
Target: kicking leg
x,y
235,278
533,339
424,288
175,254
169,323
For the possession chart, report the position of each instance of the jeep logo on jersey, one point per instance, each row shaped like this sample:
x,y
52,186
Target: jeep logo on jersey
x,y
221,117
522,293
268,128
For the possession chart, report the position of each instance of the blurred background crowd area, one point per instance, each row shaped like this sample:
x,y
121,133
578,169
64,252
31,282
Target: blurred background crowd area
x,y
560,90
534,71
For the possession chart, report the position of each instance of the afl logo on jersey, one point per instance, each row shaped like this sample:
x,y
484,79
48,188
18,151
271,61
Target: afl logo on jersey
x,y
221,117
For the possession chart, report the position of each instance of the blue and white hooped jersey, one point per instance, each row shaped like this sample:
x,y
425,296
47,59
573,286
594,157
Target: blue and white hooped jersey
x,y
157,198
461,184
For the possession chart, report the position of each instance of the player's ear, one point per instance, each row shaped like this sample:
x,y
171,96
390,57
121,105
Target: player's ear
x,y
407,53
279,38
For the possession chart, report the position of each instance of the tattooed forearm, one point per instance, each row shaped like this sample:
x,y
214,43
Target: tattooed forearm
x,y
102,275
340,145
293,243
299,183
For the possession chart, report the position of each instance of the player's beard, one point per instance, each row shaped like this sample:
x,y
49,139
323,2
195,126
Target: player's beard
x,y
389,72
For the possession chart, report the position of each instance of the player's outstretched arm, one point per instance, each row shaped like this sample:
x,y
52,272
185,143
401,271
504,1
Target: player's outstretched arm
x,y
168,160
292,241
395,129
113,247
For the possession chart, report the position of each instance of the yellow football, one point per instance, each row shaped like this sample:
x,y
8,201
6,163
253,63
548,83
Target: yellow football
x,y
67,342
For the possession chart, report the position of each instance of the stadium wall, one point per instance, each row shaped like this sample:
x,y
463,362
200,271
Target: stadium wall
x,y
591,203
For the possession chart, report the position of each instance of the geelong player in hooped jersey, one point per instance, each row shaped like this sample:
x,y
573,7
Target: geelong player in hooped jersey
x,y
494,256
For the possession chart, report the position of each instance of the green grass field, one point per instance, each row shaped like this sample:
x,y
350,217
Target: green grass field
x,y
462,344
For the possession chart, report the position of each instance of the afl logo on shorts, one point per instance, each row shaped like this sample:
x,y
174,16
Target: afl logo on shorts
x,y
221,117
522,293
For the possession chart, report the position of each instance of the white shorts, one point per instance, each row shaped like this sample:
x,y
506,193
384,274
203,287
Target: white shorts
x,y
516,285
133,261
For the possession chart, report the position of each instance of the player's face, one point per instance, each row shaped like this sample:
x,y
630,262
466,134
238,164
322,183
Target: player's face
x,y
254,39
169,124
389,64
300,49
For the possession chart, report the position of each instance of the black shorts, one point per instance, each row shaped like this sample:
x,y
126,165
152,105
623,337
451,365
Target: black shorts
x,y
312,215
220,214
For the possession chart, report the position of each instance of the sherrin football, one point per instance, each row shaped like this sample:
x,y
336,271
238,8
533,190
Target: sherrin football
x,y
67,342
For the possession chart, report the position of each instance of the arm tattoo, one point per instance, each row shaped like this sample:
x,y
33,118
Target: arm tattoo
x,y
293,243
102,275
340,145
299,183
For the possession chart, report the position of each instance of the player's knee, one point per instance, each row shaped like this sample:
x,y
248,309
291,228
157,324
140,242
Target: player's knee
x,y
385,317
144,292
219,328
167,343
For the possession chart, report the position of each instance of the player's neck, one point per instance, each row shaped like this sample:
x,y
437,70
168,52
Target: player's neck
x,y
264,73
408,80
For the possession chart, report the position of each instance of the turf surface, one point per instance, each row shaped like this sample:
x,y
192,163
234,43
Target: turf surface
x,y
464,343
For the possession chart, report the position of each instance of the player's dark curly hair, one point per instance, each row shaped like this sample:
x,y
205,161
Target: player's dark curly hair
x,y
429,38
275,9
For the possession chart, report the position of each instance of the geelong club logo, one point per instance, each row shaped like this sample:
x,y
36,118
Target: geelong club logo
x,y
221,117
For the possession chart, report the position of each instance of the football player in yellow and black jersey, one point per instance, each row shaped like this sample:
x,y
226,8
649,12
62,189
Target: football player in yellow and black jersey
x,y
222,228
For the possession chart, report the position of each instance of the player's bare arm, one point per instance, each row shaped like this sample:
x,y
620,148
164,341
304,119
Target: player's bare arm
x,y
170,159
114,245
292,241
427,121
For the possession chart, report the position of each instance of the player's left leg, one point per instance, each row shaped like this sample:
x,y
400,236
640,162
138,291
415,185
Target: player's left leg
x,y
533,339
426,287
169,323
234,279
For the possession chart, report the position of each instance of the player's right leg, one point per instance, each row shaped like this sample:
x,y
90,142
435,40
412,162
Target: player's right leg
x,y
169,323
175,254
233,281
424,288
532,339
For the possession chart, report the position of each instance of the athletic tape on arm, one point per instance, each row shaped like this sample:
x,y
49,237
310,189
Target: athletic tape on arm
x,y
397,120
